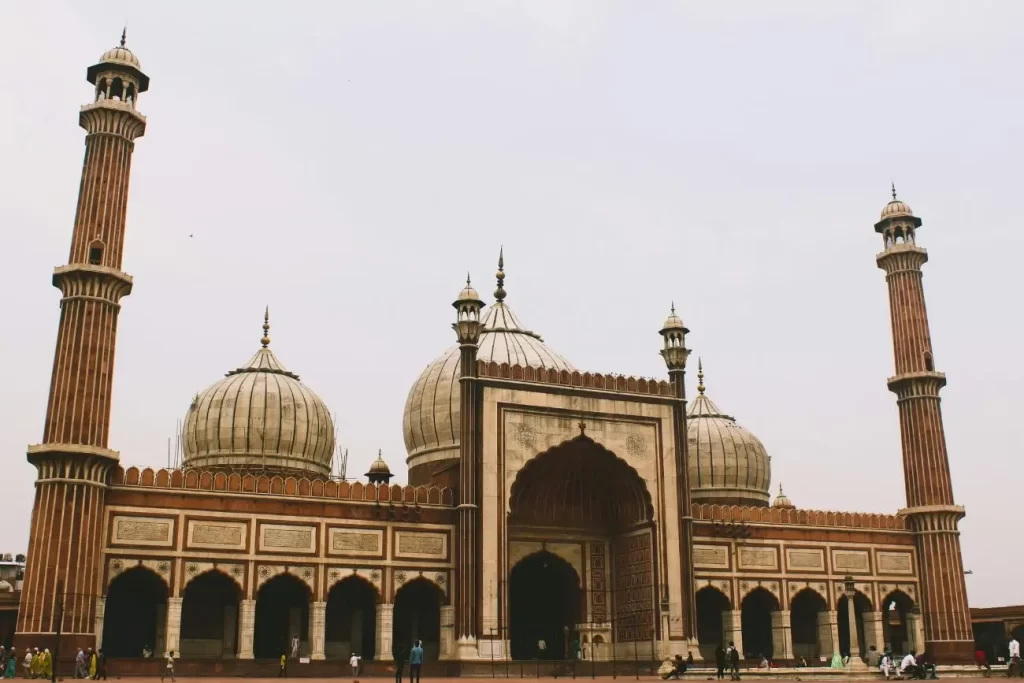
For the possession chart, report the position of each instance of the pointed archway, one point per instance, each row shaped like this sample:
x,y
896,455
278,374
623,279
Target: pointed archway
x,y
350,619
209,617
861,604
544,605
711,603
804,611
757,608
136,613
896,607
282,614
417,616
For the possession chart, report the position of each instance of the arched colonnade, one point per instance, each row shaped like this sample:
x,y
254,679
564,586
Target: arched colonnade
x,y
810,628
213,618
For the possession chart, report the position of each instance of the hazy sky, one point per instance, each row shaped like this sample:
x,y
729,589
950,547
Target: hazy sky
x,y
346,163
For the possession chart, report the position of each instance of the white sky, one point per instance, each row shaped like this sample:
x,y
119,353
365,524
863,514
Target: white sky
x,y
346,163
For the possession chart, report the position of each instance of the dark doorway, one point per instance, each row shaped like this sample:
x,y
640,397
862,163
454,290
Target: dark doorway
x,y
803,622
136,604
417,616
351,617
757,623
209,617
282,611
710,604
895,625
544,604
860,605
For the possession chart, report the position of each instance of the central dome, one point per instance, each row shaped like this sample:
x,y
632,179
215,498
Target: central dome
x,y
431,421
259,417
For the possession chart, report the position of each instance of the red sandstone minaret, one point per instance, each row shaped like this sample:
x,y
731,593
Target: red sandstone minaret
x,y
930,507
73,460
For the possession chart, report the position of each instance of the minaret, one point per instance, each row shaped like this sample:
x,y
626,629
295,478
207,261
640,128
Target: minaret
x,y
930,507
675,353
73,459
468,563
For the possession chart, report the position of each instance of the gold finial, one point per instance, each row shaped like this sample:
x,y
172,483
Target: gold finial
x,y
700,376
499,293
266,328
124,34
893,183
781,494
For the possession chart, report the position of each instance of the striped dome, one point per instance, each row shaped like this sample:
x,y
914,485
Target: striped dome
x,y
259,417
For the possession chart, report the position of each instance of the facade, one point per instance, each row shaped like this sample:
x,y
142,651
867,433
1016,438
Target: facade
x,y
548,509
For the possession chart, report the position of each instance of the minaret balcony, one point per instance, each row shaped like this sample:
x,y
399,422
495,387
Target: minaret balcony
x,y
86,281
911,385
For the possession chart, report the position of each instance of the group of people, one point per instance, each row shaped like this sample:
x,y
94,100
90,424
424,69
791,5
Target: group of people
x,y
91,664
34,664
415,658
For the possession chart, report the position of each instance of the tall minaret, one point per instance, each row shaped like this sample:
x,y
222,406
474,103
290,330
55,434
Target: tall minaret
x,y
930,507
73,460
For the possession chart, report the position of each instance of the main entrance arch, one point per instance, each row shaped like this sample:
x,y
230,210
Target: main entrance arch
x,y
583,522
136,612
282,613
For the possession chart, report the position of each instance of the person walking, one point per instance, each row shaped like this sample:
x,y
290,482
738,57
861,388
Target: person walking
x,y
93,664
400,656
168,667
46,664
1013,666
720,661
283,671
734,662
12,664
415,661
80,664
101,665
26,663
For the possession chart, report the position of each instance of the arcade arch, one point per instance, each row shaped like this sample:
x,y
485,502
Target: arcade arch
x,y
756,617
209,616
711,604
861,604
136,613
417,616
350,619
804,621
544,604
896,606
282,613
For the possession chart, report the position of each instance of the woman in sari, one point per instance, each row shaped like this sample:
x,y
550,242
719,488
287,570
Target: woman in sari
x,y
837,661
92,664
47,664
37,662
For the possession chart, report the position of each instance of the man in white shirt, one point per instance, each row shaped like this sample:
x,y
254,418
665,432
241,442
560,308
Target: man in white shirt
x,y
908,667
1013,667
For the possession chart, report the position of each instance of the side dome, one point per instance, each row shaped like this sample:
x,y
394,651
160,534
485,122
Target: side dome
x,y
728,464
259,417
431,420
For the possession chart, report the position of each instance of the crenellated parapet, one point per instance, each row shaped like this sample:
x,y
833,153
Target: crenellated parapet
x,y
585,380
301,487
796,517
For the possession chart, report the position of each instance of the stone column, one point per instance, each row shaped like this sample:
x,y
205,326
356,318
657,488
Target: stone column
x,y
782,636
915,631
172,634
101,608
732,629
828,634
384,624
448,633
228,646
317,628
246,628
873,635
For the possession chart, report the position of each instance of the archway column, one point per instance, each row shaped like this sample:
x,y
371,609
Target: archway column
x,y
828,633
732,629
384,624
915,630
172,632
873,631
447,650
101,608
246,628
317,629
782,635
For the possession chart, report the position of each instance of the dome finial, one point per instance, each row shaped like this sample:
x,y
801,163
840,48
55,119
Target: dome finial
x,y
499,293
893,184
266,328
124,34
700,376
468,283
780,489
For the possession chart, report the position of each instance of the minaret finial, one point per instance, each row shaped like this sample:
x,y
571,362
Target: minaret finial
x,y
893,184
781,494
124,35
700,376
673,308
266,328
499,293
467,279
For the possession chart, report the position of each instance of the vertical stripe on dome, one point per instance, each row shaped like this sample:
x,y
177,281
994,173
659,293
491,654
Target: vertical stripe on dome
x,y
454,402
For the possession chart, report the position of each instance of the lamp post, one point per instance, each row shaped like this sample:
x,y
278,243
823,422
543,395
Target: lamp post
x,y
855,663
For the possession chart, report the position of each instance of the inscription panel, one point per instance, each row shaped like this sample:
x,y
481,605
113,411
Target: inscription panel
x,y
711,556
361,542
287,538
220,535
852,561
894,563
759,558
148,531
805,559
421,545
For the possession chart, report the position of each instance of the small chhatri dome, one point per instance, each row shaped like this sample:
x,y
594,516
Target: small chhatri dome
x,y
468,294
431,420
120,54
379,472
673,321
259,417
119,60
782,502
728,464
896,208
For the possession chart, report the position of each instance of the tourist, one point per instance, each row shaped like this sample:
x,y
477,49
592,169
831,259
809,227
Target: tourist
x,y
908,667
873,656
837,660
415,661
92,664
400,656
689,659
80,664
926,666
46,664
720,661
542,648
734,662
27,663
101,665
764,662
147,652
1013,668
295,647
282,672
575,648
885,664
353,662
168,667
12,664
981,661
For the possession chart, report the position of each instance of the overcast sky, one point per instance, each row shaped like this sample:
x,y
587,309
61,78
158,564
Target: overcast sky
x,y
347,163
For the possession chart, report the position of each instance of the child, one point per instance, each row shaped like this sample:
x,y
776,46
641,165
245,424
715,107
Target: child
x,y
169,667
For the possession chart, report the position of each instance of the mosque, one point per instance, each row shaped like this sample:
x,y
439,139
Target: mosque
x,y
548,509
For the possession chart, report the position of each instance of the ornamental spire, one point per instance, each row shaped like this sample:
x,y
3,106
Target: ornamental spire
x,y
266,328
893,184
499,293
700,376
124,34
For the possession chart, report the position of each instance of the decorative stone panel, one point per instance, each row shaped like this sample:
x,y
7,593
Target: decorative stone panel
x,y
851,562
194,569
421,545
355,542
762,558
711,556
118,565
265,572
894,562
437,577
372,575
142,531
217,535
281,538
805,559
